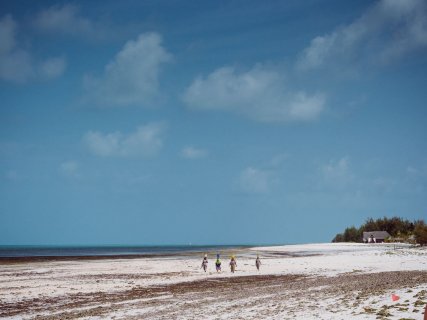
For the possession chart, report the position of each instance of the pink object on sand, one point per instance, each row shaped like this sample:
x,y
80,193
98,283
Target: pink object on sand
x,y
394,297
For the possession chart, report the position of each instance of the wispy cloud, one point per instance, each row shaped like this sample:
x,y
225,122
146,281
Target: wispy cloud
x,y
69,169
416,178
64,19
263,177
190,152
17,65
146,141
53,67
254,181
7,34
411,170
385,32
414,171
384,185
12,175
278,160
259,94
337,173
132,77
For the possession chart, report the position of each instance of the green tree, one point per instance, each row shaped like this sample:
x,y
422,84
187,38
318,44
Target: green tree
x,y
395,226
338,238
369,225
352,235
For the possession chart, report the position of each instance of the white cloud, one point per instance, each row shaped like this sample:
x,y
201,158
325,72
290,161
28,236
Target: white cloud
x,y
16,64
64,19
69,169
259,94
52,68
7,34
193,153
16,67
146,141
254,181
132,77
386,31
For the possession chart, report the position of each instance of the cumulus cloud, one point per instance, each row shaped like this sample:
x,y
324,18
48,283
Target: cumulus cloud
x,y
193,153
385,32
17,64
146,141
259,94
64,19
69,169
132,77
254,181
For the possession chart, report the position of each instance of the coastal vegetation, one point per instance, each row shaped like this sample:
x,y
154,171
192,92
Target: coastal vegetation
x,y
400,230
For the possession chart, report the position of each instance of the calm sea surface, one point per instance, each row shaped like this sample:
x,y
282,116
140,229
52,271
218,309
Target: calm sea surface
x,y
70,251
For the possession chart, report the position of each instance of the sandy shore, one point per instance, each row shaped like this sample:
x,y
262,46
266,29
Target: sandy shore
x,y
317,281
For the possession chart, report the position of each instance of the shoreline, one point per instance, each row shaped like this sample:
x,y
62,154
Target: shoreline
x,y
166,254
98,253
290,250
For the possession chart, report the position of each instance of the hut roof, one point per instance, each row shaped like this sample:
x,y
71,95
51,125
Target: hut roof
x,y
376,234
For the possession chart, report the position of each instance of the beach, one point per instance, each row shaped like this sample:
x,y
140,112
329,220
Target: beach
x,y
310,281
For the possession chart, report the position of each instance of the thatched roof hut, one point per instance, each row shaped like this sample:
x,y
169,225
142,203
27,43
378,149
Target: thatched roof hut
x,y
379,236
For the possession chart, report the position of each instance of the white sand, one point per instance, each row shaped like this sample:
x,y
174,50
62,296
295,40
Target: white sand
x,y
334,258
56,280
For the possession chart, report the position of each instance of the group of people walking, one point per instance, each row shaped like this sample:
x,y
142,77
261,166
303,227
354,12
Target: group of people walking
x,y
232,264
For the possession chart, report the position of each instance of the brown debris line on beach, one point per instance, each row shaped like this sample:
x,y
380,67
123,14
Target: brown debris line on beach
x,y
197,297
239,250
172,254
37,259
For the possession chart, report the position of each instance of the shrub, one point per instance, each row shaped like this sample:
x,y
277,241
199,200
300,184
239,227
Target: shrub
x,y
395,226
420,233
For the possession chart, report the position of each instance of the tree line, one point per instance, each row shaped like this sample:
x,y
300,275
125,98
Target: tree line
x,y
397,227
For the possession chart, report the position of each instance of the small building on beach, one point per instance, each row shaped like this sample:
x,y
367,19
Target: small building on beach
x,y
375,236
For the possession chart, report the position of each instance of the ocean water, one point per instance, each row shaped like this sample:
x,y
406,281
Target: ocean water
x,y
76,251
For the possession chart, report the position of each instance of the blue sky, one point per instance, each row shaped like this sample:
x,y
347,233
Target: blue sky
x,y
221,122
